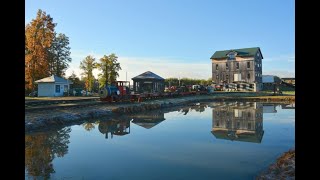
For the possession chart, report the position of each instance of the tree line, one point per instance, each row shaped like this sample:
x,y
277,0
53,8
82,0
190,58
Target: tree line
x,y
186,81
48,53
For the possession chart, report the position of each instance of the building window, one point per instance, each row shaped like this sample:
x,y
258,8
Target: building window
x,y
258,54
227,76
248,76
249,126
248,64
65,88
57,88
217,77
217,67
231,56
238,125
237,65
227,66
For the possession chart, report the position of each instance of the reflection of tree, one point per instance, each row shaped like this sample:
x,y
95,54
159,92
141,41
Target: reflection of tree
x,y
88,126
41,149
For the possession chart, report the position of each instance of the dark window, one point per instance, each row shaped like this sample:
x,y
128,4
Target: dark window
x,y
237,65
227,76
238,125
249,114
57,88
249,126
227,66
244,86
248,64
217,67
65,88
238,85
248,76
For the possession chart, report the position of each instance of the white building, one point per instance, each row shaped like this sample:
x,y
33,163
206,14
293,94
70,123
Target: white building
x,y
53,86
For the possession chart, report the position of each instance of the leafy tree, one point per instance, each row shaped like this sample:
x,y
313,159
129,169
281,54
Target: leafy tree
x,y
77,83
88,65
88,126
59,55
109,66
39,34
42,148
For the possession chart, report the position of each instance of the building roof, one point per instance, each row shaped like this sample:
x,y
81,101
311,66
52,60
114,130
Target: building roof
x,y
53,79
148,75
245,137
240,52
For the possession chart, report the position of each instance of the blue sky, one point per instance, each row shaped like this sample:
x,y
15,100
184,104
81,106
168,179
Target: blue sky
x,y
173,38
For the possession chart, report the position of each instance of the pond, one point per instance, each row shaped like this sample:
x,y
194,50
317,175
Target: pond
x,y
217,140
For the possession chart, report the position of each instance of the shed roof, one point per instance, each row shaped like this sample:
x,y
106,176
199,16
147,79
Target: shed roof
x,y
148,75
53,79
240,52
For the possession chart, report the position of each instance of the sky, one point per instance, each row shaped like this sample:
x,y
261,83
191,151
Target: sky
x,y
173,38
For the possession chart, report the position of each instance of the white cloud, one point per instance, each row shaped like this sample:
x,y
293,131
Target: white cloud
x,y
167,67
134,66
280,73
282,58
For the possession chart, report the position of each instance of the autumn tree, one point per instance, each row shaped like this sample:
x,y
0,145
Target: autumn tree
x,y
87,66
42,148
59,55
39,34
109,66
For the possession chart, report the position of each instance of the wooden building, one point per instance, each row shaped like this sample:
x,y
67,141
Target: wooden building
x,y
148,82
242,121
238,69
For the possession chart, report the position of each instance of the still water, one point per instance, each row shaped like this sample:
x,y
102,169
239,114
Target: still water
x,y
218,140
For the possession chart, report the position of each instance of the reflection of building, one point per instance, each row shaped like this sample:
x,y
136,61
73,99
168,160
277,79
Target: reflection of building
x,y
114,127
288,106
269,108
148,119
238,121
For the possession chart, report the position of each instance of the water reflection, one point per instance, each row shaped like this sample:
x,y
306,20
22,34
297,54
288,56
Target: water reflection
x,y
119,127
235,121
238,121
42,148
149,119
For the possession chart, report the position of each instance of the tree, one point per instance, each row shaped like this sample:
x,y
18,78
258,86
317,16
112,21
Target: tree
x,y
59,55
42,148
39,34
109,66
76,81
88,65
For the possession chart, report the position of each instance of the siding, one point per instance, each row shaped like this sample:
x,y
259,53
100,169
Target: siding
x,y
46,89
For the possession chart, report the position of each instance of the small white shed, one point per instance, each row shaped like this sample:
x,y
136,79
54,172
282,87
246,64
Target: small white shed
x,y
53,86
